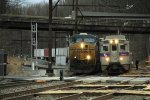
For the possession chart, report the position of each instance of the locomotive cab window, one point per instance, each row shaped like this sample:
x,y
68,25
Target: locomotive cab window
x,y
114,47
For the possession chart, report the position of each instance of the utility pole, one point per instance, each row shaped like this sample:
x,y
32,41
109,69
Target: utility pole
x,y
50,43
76,17
72,5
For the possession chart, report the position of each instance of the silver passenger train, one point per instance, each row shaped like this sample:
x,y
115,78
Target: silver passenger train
x,y
115,55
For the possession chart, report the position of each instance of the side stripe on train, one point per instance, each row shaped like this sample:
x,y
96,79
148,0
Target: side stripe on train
x,y
124,53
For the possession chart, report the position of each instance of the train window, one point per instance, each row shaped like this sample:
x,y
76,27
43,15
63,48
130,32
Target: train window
x,y
89,40
79,39
122,48
114,47
105,48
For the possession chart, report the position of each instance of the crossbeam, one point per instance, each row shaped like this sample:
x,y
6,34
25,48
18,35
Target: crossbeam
x,y
63,24
115,15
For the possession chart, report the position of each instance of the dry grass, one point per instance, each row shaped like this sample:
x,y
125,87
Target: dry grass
x,y
14,65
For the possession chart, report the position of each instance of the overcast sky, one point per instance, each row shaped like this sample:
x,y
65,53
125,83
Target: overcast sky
x,y
35,1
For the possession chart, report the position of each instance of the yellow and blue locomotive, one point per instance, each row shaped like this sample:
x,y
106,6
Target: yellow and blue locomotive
x,y
84,53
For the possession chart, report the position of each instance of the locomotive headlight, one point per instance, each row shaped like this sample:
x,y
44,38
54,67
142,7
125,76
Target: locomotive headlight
x,y
82,45
111,41
75,57
88,57
121,58
107,59
116,41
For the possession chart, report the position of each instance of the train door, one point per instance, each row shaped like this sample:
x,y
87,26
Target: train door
x,y
114,57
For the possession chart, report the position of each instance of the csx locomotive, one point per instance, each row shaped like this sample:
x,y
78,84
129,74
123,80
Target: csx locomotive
x,y
115,55
83,53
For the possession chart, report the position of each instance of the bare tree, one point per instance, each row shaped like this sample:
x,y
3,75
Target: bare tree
x,y
14,6
39,9
3,6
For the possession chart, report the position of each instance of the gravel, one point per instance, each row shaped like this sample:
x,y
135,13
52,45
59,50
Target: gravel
x,y
52,97
44,98
129,97
4,81
86,97
21,88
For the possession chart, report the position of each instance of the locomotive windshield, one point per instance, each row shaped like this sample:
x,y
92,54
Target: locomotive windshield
x,y
90,40
87,39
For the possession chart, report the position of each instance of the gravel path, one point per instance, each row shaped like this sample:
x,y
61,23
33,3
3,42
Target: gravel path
x,y
20,88
44,98
129,97
52,97
4,81
85,97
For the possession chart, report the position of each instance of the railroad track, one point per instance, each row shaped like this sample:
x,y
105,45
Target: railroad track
x,y
94,91
80,89
14,84
29,93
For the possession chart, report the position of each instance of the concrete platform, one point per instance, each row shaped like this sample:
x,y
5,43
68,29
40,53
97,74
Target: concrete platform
x,y
119,79
104,79
140,80
94,79
131,80
38,78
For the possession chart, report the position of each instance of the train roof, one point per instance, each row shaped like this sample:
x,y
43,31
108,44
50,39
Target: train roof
x,y
84,35
120,37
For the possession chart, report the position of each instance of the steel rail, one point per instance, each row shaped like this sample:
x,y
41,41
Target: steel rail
x,y
30,92
9,85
